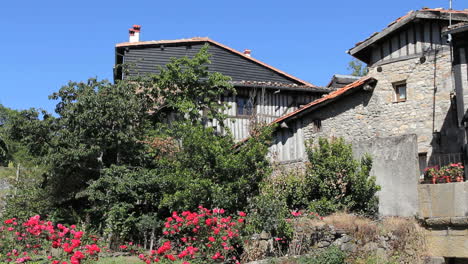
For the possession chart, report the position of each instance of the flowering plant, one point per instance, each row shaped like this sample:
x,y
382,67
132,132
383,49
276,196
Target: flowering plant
x,y
450,173
39,240
206,236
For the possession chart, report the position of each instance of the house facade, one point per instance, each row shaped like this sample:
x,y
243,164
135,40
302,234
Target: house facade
x,y
410,64
263,93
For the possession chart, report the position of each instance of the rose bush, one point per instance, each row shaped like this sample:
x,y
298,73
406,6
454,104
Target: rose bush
x,y
206,236
39,240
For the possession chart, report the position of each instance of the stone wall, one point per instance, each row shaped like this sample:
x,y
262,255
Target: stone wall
x,y
365,115
443,208
443,200
447,236
358,238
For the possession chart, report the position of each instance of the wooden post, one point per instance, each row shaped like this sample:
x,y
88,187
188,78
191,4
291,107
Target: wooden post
x,y
152,239
17,178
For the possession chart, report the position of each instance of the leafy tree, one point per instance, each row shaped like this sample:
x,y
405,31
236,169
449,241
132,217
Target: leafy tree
x,y
5,154
121,156
339,182
185,88
203,170
357,68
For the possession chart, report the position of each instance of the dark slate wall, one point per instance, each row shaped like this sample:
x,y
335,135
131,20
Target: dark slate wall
x,y
145,60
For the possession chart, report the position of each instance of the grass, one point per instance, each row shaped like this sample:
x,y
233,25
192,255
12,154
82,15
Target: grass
x,y
7,173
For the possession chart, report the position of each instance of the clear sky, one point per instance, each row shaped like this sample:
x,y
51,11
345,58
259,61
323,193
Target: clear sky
x,y
44,44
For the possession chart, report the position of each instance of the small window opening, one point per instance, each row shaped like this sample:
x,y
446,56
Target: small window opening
x,y
422,159
400,92
244,105
317,125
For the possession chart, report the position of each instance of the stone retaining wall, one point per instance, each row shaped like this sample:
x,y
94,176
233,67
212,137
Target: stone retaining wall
x,y
443,200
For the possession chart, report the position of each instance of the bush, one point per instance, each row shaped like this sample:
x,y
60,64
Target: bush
x,y
43,241
331,255
206,236
269,212
334,180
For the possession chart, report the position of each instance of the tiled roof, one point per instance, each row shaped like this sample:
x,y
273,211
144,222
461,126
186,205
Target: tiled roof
x,y
280,85
208,40
457,28
407,18
328,98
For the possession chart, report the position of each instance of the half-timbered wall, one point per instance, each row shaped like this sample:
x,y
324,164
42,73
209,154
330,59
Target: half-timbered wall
x,y
268,106
411,41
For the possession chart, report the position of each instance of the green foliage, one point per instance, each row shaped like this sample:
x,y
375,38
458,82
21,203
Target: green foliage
x,y
331,255
269,212
336,181
120,157
123,166
357,68
186,88
203,171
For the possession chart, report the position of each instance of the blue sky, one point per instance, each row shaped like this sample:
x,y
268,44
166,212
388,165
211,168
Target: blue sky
x,y
44,44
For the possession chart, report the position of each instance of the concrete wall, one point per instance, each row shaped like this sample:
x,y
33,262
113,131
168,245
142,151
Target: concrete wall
x,y
443,200
395,166
448,242
444,208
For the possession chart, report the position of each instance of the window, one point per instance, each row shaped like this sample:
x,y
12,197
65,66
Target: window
x,y
244,105
422,158
317,125
400,91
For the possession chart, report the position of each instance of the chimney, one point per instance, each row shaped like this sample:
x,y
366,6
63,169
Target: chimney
x,y
247,52
134,34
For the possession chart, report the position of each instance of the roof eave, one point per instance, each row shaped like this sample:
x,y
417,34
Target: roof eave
x,y
421,14
457,30
351,88
355,50
284,88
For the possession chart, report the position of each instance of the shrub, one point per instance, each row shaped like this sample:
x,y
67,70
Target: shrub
x,y
269,212
206,236
331,255
334,180
39,240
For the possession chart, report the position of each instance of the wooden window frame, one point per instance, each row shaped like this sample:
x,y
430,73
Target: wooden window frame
x,y
396,88
245,114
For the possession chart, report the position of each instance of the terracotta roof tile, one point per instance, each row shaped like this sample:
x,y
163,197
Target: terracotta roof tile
x,y
328,97
205,39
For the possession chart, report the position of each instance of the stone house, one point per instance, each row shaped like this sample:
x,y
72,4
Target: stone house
x,y
410,65
408,112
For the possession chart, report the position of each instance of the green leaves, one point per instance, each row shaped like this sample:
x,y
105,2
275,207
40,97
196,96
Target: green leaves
x,y
185,88
339,182
120,154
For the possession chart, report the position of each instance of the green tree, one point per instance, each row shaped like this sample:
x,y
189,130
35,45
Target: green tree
x,y
118,155
337,181
357,68
203,169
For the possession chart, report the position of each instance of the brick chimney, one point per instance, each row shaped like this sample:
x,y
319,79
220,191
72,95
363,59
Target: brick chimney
x,y
247,52
134,34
